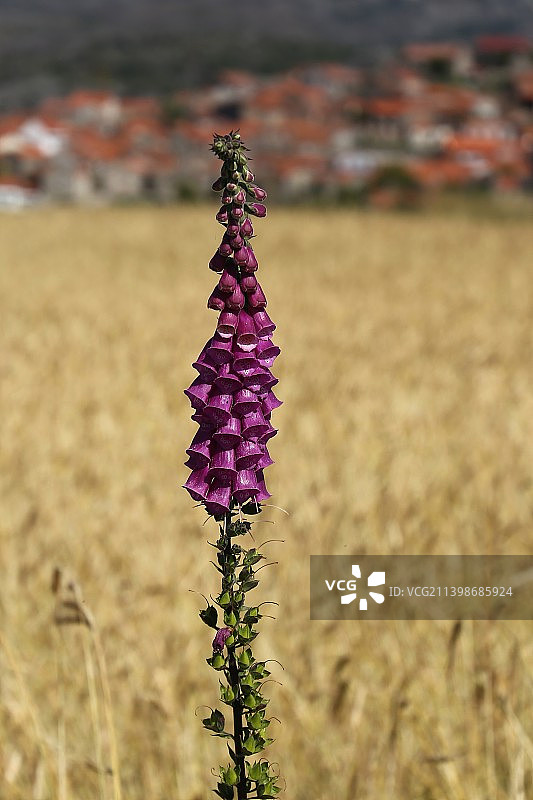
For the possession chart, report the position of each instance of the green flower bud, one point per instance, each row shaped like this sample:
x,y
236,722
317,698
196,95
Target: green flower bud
x,y
230,619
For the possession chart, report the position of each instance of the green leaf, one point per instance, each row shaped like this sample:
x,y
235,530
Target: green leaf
x,y
250,701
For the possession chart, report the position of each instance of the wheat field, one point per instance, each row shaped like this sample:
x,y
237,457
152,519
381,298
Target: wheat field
x,y
407,427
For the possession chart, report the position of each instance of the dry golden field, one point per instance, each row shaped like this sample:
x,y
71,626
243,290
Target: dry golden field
x,y
407,427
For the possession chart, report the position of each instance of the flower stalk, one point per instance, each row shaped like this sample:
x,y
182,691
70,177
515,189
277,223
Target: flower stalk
x,y
233,401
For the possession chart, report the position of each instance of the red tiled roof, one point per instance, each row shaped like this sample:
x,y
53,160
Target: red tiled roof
x,y
491,45
15,180
287,93
440,172
474,144
137,126
420,53
94,146
32,152
448,99
284,166
304,130
524,85
10,123
387,106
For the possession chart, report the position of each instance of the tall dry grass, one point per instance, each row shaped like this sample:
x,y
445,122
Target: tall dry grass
x,y
407,427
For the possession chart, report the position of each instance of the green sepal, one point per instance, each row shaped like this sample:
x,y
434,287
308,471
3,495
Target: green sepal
x,y
246,658
257,771
224,599
252,615
217,661
240,528
267,790
260,671
209,615
230,620
250,508
256,721
230,776
250,701
251,745
252,557
244,633
248,585
227,695
224,791
215,722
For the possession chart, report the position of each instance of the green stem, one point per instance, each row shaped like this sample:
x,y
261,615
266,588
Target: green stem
x,y
233,669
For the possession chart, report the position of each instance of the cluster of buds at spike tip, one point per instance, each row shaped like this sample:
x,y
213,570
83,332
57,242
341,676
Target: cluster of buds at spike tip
x,y
233,397
241,676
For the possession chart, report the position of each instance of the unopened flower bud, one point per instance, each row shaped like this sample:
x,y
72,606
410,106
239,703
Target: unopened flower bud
x,y
248,283
237,242
216,300
257,209
256,298
242,256
252,265
218,262
225,249
236,299
227,282
257,192
247,228
237,212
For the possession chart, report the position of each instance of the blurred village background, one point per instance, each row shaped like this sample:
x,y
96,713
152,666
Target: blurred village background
x,y
434,116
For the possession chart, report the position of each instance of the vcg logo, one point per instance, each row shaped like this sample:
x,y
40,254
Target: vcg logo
x,y
349,588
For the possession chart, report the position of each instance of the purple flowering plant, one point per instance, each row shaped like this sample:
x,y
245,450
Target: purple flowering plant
x,y
233,400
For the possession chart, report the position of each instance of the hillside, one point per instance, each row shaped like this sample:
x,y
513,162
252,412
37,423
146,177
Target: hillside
x,y
156,45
